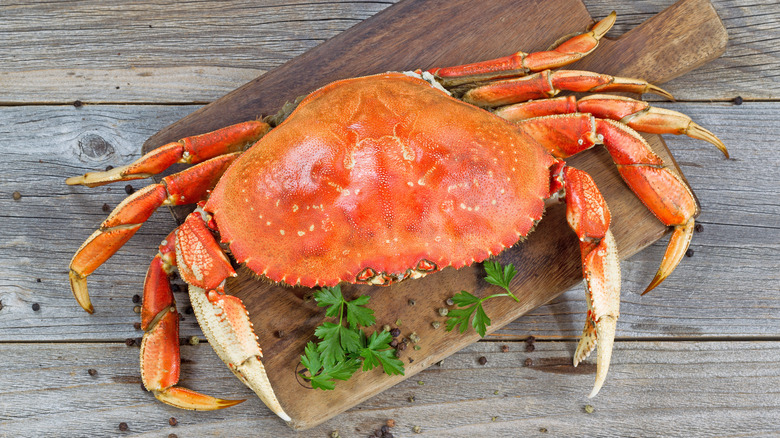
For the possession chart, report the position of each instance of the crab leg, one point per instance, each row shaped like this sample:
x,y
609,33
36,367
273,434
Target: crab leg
x,y
160,357
637,114
189,150
188,186
589,217
549,83
223,318
520,63
662,191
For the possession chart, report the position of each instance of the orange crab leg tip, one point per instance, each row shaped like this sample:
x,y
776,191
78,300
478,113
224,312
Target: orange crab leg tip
x,y
78,285
659,91
678,244
602,27
699,133
184,398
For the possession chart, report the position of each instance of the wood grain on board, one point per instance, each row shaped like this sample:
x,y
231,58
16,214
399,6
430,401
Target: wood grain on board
x,y
422,34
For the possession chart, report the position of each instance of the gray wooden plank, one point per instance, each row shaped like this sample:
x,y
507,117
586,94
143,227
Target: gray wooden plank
x,y
730,287
671,389
155,52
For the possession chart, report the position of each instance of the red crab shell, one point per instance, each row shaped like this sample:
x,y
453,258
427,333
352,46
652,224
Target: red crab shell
x,y
380,175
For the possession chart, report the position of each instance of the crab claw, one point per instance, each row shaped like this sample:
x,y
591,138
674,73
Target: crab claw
x,y
225,322
602,275
160,366
589,217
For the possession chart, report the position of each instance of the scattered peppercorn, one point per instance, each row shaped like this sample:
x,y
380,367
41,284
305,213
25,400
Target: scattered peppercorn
x,y
495,392
738,100
386,328
450,301
173,435
139,341
390,422
417,347
689,253
417,429
395,332
335,434
543,429
528,362
129,189
493,418
420,382
137,309
504,348
388,435
411,399
414,337
109,167
79,104
106,208
443,311
412,302
279,333
92,372
529,344
435,324
398,322
123,426
172,421
188,310
17,196
397,353
129,342
401,346
699,228
37,280
384,429
194,340
136,298
482,360
394,343
589,409
137,325
36,307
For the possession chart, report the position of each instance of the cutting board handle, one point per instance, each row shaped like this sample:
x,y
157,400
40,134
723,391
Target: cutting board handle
x,y
677,45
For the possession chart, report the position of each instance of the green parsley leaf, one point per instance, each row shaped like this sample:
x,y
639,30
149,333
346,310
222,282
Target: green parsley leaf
x,y
358,314
329,347
378,352
471,309
464,298
480,321
460,317
330,296
311,358
500,275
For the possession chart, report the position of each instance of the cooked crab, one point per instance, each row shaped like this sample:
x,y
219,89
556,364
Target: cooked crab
x,y
381,178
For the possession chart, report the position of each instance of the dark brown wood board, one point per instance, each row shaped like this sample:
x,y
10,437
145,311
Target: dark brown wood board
x,y
423,34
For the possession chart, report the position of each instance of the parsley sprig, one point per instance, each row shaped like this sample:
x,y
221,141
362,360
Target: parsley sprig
x,y
342,350
471,306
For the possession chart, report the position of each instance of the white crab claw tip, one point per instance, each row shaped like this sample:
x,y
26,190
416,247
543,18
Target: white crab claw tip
x,y
605,339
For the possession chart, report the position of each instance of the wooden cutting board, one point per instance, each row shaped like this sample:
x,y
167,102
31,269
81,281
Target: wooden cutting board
x,y
423,34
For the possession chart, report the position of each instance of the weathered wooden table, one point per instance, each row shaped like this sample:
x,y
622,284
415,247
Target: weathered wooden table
x,y
83,84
